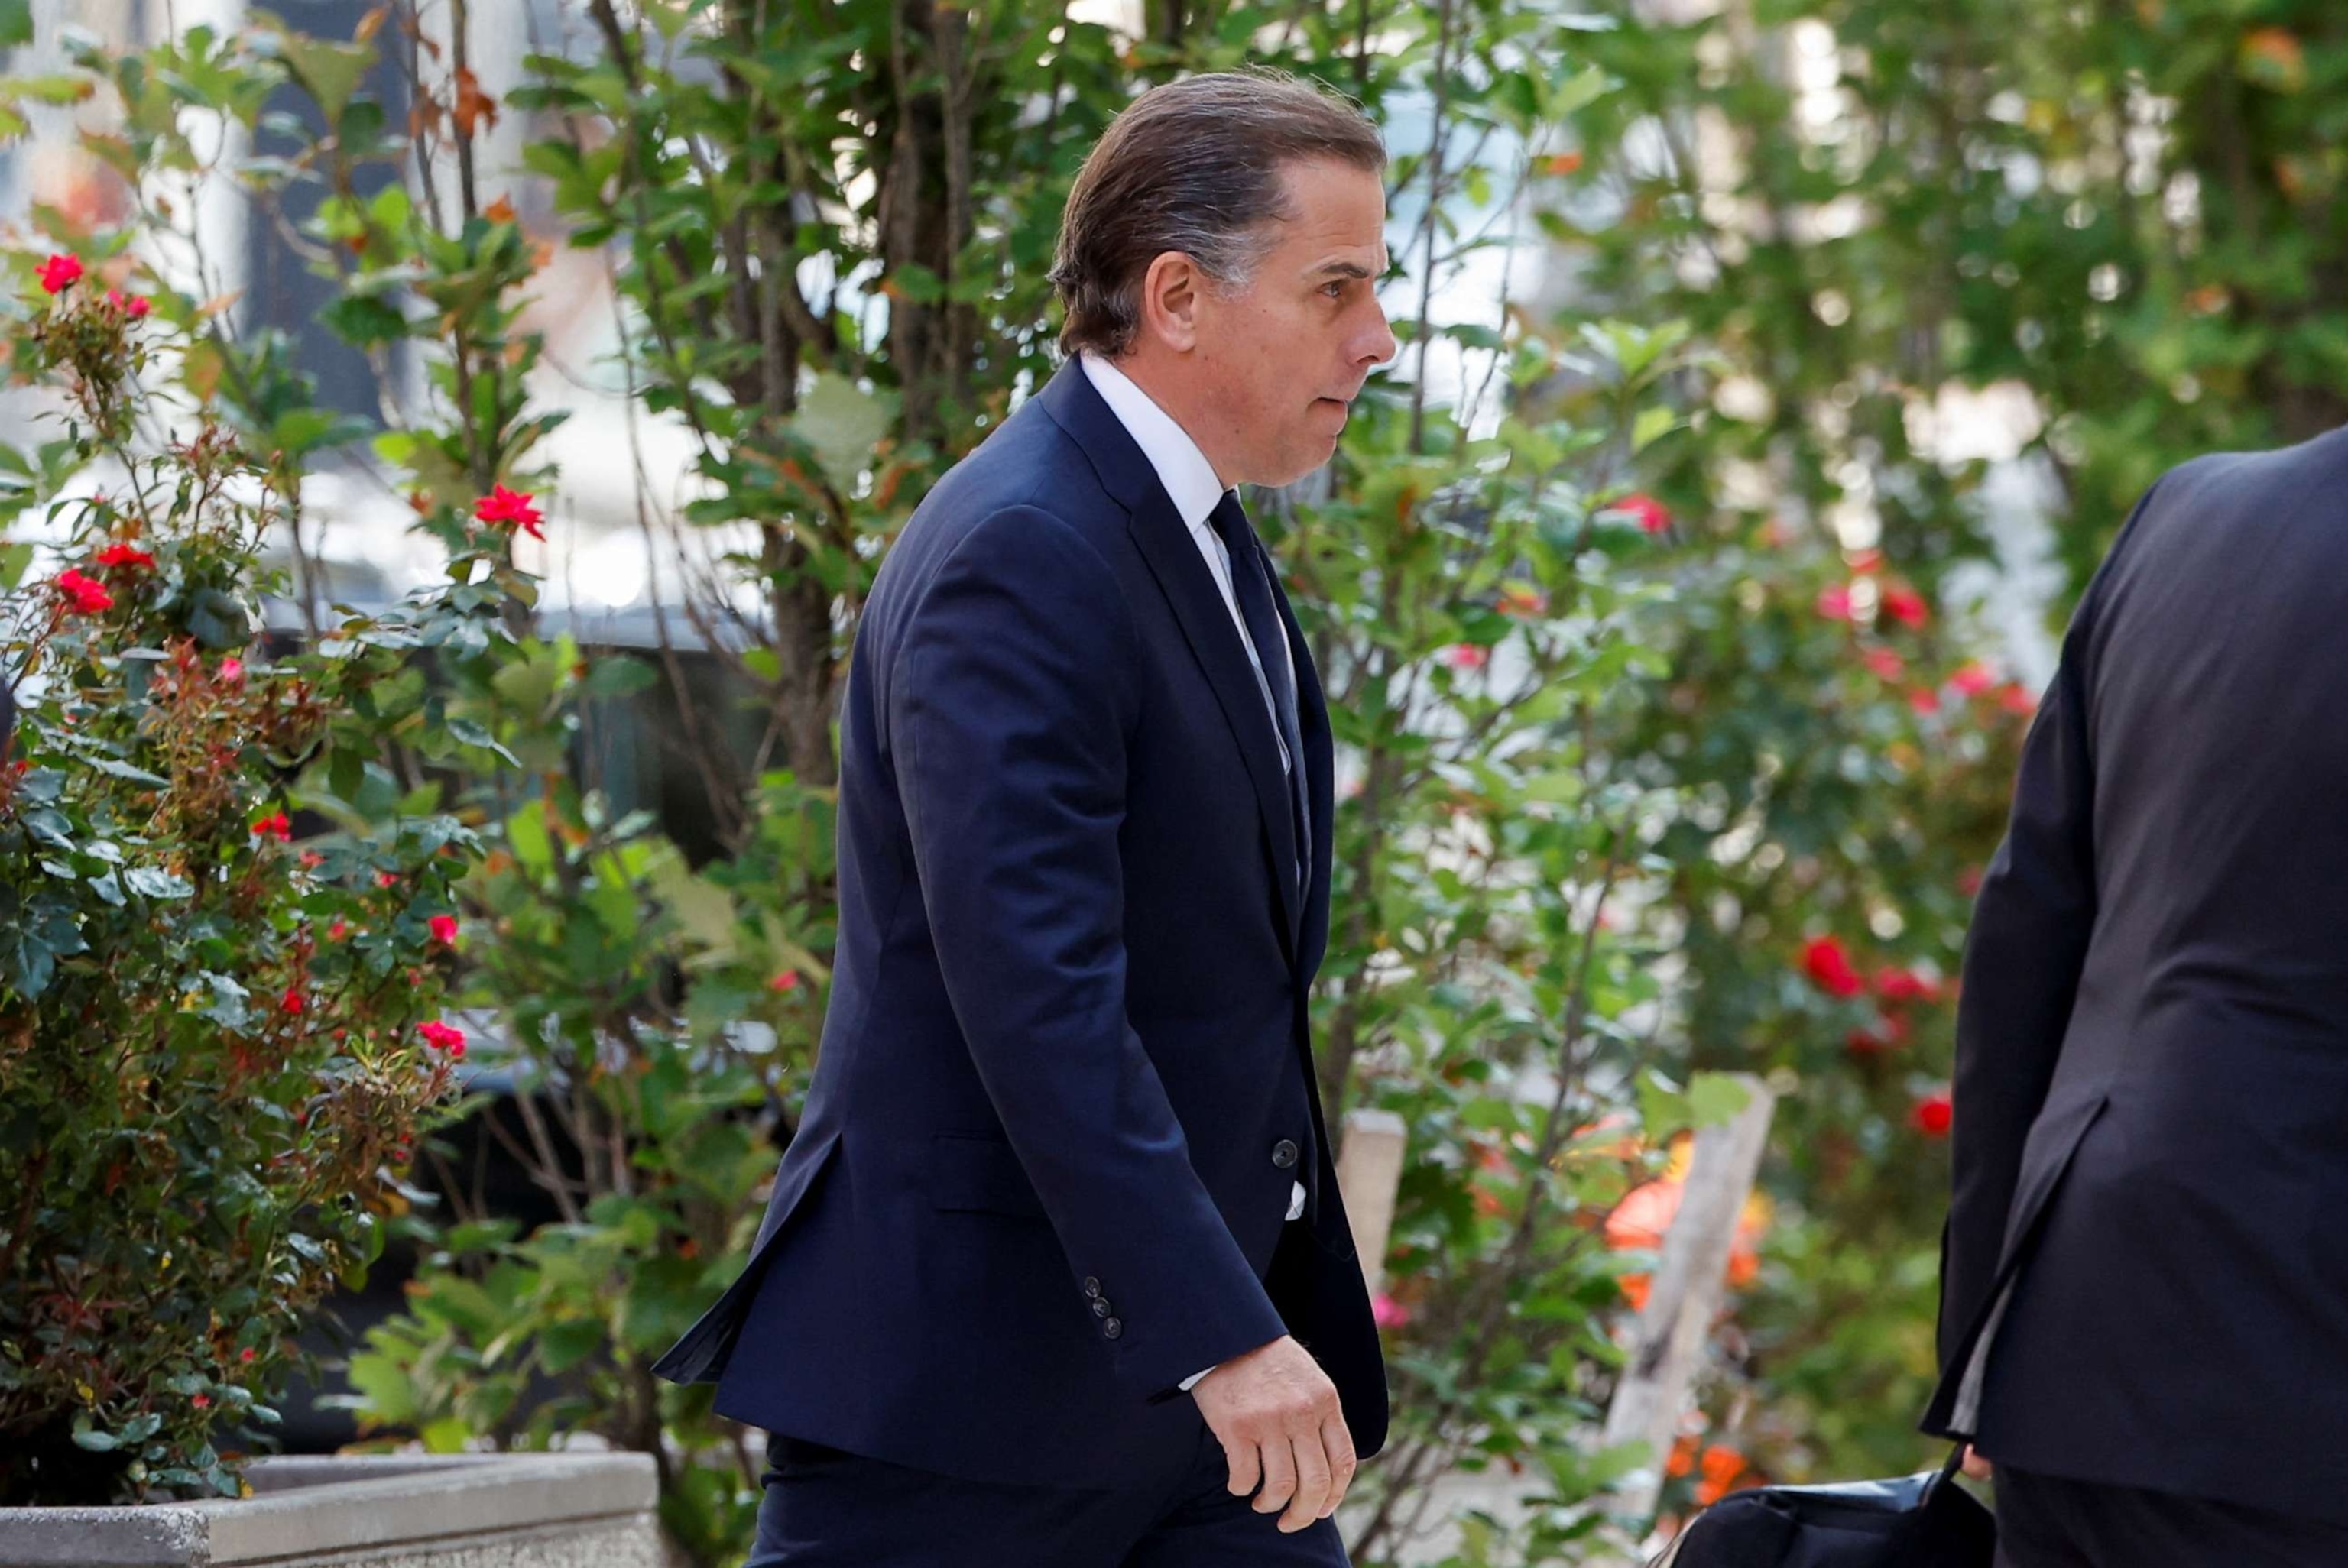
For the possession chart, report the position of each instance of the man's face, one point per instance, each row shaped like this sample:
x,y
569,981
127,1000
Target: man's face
x,y
1285,354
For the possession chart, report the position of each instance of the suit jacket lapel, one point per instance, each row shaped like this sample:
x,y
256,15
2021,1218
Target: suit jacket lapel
x,y
1165,542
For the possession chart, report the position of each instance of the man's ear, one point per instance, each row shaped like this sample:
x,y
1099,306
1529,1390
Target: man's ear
x,y
1170,296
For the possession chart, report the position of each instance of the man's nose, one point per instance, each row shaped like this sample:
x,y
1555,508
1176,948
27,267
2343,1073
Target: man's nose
x,y
1377,345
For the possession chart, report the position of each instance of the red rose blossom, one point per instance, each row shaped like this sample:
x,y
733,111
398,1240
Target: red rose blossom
x,y
292,1001
1467,656
84,595
124,555
1834,603
1886,664
132,305
442,1037
59,274
1933,1115
509,508
277,826
1649,513
444,930
1906,606
1828,964
231,671
788,980
1974,680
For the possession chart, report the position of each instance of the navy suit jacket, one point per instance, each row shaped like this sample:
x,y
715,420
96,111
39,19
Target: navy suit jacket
x,y
2146,1272
1065,1083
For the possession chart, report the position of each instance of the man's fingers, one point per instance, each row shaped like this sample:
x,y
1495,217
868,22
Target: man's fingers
x,y
1312,1483
1338,1443
1975,1466
1246,1470
1278,1476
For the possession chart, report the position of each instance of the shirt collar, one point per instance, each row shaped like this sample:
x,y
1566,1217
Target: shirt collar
x,y
1190,479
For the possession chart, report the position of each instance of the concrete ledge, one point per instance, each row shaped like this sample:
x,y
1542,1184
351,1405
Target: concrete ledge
x,y
402,1508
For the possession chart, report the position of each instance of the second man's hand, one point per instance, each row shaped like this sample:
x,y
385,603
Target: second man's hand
x,y
1276,1414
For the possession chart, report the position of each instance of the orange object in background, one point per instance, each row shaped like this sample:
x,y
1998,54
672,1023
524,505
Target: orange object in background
x,y
1640,1221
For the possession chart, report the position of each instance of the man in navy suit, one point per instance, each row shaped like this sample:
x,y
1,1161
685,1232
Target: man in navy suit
x,y
2144,1298
1055,1273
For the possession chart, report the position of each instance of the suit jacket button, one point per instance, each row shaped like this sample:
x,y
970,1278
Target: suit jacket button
x,y
1283,1153
1092,1288
1101,1308
1113,1328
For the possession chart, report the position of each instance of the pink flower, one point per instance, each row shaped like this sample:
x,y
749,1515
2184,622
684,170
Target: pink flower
x,y
1648,512
1388,1312
276,825
338,930
1834,603
1467,656
1906,606
1933,1115
788,980
292,1001
387,880
1925,701
132,305
1828,963
509,508
444,930
124,555
231,671
245,1354
59,274
201,1401
1898,985
84,595
1974,680
1886,664
442,1037
2015,697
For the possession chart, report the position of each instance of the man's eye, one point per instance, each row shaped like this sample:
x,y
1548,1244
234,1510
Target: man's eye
x,y
1336,290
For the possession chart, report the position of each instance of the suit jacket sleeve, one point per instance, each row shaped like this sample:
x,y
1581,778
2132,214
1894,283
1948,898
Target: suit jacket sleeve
x,y
2027,943
1015,684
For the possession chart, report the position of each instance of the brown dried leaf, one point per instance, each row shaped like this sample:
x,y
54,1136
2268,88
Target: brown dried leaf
x,y
473,105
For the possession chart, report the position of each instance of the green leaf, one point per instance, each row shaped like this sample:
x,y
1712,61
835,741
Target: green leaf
x,y
841,422
1715,1098
16,22
331,72
122,770
1651,423
154,882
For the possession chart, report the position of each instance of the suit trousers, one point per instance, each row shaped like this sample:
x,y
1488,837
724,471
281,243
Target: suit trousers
x,y
2048,1522
826,1509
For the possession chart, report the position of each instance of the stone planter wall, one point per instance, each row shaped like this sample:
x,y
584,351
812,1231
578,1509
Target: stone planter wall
x,y
472,1511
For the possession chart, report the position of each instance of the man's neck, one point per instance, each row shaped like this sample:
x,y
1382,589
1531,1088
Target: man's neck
x,y
1166,388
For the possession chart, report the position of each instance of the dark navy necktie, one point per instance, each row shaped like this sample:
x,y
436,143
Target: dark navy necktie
x,y
1251,587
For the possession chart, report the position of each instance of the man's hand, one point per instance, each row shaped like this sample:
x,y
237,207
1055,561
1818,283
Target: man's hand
x,y
1975,1466
1276,1414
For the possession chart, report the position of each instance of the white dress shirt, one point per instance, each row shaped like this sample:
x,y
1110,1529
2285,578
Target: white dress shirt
x,y
1191,484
